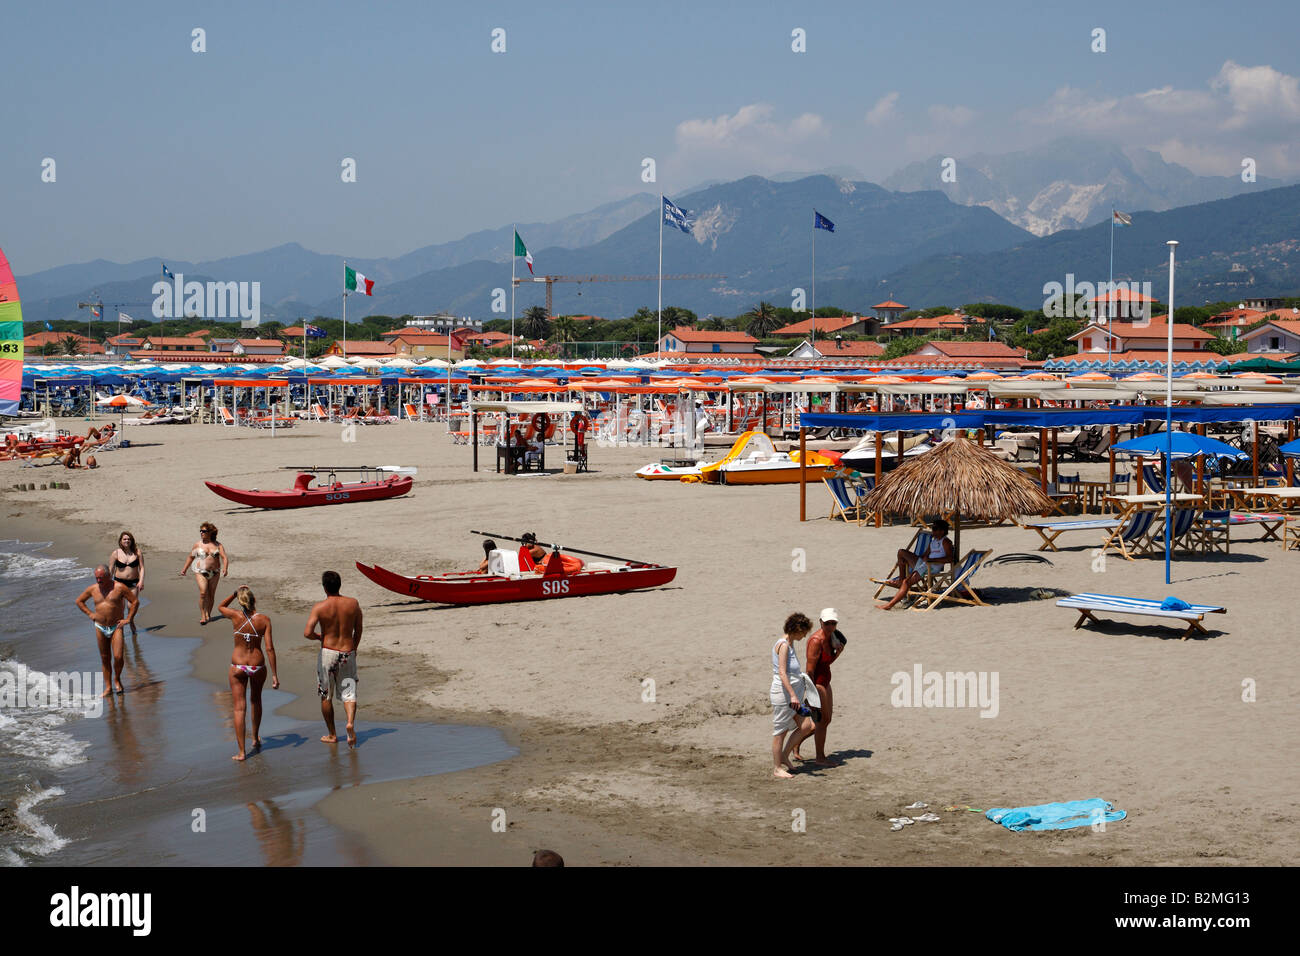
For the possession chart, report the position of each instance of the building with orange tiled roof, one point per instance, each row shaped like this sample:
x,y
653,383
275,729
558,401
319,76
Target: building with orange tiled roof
x,y
829,326
180,343
830,348
888,311
362,349
1137,336
85,346
686,340
1275,336
952,322
987,354
1237,318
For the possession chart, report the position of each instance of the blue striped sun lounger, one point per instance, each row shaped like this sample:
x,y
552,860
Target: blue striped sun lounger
x,y
1087,604
1049,531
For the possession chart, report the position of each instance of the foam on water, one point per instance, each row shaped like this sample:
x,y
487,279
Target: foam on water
x,y
19,561
38,838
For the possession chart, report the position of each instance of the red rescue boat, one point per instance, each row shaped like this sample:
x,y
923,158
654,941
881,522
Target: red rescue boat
x,y
512,584
301,495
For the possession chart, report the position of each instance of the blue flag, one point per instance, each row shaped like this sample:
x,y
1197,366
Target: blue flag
x,y
821,222
992,334
674,215
49,327
167,273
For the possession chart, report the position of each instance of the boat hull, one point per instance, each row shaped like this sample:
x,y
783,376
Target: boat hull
x,y
336,494
785,475
469,587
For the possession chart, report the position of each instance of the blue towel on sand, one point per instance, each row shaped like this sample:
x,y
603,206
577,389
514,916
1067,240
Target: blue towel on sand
x,y
1056,816
1172,603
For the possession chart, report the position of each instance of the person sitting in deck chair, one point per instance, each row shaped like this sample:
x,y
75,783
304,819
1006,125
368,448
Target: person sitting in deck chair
x,y
911,566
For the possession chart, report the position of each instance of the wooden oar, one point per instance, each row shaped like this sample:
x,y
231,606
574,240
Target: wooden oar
x,y
556,547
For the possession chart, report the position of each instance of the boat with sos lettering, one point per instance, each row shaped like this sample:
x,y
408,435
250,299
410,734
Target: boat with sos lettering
x,y
376,484
512,576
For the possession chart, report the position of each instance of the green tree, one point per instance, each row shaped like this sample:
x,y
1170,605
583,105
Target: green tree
x,y
906,345
563,331
536,323
1221,346
49,348
676,315
68,345
762,320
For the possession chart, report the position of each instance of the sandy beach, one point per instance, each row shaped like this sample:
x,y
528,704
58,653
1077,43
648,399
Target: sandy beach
x,y
1125,712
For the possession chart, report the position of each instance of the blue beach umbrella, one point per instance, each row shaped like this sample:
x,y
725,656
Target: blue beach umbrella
x,y
1291,448
1185,445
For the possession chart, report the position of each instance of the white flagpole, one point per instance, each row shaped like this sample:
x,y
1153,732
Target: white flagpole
x,y
1110,289
514,237
813,334
1169,411
660,310
345,308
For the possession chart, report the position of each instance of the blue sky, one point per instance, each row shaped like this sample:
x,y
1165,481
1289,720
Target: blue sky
x,y
163,151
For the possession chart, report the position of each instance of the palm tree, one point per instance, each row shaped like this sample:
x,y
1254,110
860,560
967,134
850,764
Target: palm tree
x,y
537,324
564,330
69,344
762,320
49,348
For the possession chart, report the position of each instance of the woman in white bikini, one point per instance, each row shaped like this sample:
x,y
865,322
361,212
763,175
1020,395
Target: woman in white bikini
x,y
247,664
209,560
126,564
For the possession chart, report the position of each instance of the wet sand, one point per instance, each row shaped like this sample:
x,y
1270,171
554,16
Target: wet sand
x,y
1126,712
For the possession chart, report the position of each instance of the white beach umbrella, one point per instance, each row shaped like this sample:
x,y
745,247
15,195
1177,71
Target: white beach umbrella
x,y
334,361
435,363
399,362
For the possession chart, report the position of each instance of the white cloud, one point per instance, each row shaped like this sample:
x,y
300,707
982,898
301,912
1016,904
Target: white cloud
x,y
748,141
1242,111
884,110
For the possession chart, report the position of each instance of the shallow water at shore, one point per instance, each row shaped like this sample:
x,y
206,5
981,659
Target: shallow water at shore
x,y
148,780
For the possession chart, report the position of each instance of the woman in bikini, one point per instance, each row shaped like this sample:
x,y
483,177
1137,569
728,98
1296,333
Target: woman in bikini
x,y
209,560
247,664
126,564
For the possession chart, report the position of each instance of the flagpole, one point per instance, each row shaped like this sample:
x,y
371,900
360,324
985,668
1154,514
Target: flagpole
x,y
659,312
813,335
514,239
1169,409
1110,289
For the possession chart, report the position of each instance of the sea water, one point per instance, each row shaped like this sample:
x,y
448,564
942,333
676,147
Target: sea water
x,y
146,778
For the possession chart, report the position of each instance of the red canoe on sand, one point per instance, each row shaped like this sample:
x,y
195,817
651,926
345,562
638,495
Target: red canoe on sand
x,y
301,495
470,587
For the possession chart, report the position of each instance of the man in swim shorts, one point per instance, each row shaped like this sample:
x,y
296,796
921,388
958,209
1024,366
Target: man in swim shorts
x,y
339,621
109,598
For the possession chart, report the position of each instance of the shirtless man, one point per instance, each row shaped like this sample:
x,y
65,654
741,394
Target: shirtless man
x,y
108,596
339,621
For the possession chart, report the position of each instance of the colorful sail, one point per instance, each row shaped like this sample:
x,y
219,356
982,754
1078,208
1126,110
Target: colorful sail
x,y
11,340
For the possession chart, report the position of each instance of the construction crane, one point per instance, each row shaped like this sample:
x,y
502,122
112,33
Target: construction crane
x,y
551,280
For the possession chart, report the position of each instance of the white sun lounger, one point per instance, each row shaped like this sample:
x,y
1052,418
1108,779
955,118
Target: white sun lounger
x,y
1057,528
1086,604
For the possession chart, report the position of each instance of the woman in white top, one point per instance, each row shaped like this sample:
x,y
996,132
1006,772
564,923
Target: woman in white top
x,y
911,566
789,716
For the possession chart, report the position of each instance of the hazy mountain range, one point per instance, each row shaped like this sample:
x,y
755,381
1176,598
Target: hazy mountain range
x,y
915,246
1070,183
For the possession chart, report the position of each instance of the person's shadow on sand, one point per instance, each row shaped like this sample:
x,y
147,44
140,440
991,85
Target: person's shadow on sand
x,y
283,740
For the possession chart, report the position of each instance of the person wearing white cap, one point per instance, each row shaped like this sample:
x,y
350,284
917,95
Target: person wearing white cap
x,y
824,645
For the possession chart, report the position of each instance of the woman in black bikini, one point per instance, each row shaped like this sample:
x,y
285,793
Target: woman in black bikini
x,y
247,665
209,560
126,564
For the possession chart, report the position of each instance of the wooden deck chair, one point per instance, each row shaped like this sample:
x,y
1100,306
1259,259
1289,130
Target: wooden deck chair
x,y
318,413
1155,483
842,503
1128,536
1179,539
919,544
957,587
1210,533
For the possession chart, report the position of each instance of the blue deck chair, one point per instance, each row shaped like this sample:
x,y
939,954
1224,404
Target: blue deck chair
x,y
1211,531
919,545
1184,520
1127,538
955,584
1155,482
843,505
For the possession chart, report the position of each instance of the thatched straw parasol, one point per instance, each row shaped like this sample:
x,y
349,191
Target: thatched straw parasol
x,y
957,477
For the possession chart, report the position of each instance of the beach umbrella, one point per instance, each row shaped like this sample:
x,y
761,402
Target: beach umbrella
x,y
957,477
1185,445
1291,449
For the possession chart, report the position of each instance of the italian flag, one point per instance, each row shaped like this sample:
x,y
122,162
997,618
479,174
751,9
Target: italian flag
x,y
354,281
522,250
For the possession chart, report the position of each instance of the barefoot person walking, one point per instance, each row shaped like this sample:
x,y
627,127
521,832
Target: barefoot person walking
x,y
247,665
126,564
108,597
210,560
786,694
339,621
824,646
